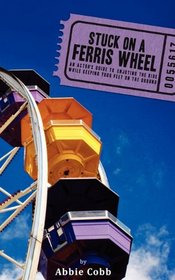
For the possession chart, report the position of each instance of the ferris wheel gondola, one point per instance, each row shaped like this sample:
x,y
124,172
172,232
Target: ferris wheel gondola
x,y
70,192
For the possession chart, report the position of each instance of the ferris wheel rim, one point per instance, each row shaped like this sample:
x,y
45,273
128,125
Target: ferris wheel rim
x,y
34,247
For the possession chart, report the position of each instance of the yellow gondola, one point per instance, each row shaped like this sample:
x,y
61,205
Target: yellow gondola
x,y
73,148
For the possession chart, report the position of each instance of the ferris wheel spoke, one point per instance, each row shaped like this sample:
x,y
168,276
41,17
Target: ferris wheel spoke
x,y
12,118
17,211
9,156
11,198
40,193
4,255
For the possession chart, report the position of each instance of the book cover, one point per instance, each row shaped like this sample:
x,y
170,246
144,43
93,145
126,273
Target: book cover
x,y
116,59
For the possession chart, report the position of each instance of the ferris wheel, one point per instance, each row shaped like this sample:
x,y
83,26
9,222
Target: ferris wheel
x,y
37,190
62,155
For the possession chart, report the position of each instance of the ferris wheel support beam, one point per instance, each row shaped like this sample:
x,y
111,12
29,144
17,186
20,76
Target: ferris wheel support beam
x,y
9,195
10,156
12,118
11,259
16,212
41,195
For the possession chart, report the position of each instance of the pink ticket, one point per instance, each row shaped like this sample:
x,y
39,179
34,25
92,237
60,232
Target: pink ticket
x,y
118,57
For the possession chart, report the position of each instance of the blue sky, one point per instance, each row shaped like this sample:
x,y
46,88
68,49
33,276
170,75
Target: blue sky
x,y
138,134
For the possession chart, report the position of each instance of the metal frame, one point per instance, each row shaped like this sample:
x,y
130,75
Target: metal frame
x,y
103,176
9,156
30,267
39,188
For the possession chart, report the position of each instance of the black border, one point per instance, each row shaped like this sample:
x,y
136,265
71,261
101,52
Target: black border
x,y
112,85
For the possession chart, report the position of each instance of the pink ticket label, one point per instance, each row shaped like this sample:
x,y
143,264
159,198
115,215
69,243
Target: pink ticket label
x,y
118,57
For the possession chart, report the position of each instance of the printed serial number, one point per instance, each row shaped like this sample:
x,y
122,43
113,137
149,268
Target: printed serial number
x,y
171,65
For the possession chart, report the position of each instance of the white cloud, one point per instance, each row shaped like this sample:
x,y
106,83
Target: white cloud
x,y
10,273
121,143
117,171
14,273
150,260
158,173
20,228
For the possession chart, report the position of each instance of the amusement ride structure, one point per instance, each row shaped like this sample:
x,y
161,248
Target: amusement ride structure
x,y
75,231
